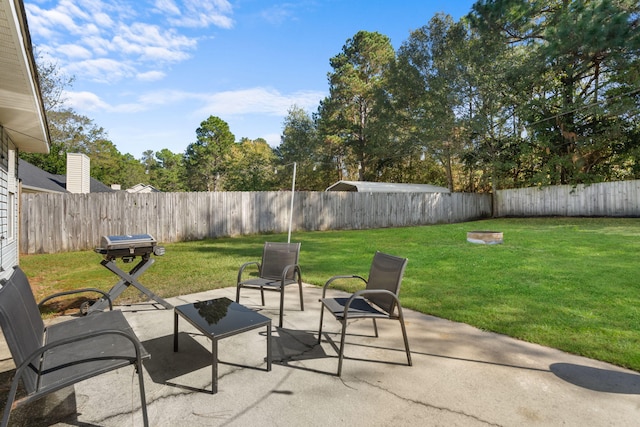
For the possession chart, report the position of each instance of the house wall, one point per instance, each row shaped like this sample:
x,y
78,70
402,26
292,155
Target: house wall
x,y
8,205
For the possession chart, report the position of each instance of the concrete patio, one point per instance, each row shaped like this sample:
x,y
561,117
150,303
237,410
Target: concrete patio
x,y
461,377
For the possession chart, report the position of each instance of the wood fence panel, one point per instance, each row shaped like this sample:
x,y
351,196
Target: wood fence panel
x,y
70,222
614,199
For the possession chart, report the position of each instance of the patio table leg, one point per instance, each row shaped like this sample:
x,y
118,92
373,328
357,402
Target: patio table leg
x,y
175,331
269,347
214,366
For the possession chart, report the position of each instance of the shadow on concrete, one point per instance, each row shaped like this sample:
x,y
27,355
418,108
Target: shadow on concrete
x,y
291,344
166,366
597,379
57,407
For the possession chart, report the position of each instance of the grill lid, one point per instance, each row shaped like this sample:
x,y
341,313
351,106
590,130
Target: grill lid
x,y
129,241
128,247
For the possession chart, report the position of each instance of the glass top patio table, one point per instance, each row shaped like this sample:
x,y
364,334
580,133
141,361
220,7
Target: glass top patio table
x,y
220,318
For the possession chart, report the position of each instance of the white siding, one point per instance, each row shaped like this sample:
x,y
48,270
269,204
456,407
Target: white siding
x,y
8,206
78,173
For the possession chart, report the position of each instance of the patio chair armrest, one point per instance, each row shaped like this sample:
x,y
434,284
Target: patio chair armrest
x,y
365,292
77,291
64,341
296,272
347,276
245,265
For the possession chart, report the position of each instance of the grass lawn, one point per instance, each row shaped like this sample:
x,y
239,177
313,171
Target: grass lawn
x,y
568,283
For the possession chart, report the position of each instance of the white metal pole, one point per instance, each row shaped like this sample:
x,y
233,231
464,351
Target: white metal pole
x,y
293,190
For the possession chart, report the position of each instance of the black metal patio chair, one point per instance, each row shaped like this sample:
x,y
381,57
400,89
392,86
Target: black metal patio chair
x,y
279,268
50,358
379,300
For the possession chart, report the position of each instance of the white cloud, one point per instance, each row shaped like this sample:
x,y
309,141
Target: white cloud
x,y
224,104
110,31
75,8
201,13
103,20
148,42
99,45
46,23
273,139
151,76
258,100
73,51
86,101
102,70
167,6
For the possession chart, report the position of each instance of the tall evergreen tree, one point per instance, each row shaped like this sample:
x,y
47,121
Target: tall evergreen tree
x,y
583,87
207,158
356,97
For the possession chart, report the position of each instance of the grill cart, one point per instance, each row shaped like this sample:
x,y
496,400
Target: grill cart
x,y
127,248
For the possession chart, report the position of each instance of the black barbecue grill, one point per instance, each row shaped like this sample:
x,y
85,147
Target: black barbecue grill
x,y
127,248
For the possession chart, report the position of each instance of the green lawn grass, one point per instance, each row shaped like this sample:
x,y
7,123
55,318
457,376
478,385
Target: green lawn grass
x,y
568,283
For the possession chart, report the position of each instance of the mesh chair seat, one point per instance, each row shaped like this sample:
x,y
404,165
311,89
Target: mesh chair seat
x,y
359,308
274,283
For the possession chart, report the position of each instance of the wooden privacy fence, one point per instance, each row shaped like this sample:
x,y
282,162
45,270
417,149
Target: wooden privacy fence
x,y
615,199
70,222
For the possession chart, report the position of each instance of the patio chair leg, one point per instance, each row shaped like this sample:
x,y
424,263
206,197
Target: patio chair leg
x,y
301,299
262,295
10,398
320,327
238,293
143,399
375,327
404,335
281,304
341,356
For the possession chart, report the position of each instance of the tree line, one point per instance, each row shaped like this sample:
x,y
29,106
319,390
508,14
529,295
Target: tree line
x,y
517,93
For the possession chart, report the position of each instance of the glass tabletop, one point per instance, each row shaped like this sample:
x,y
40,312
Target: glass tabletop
x,y
221,317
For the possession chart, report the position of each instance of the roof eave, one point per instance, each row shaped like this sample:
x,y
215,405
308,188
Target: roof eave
x,y
22,113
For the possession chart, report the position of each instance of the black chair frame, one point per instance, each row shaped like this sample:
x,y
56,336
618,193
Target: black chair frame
x,y
51,358
274,277
367,304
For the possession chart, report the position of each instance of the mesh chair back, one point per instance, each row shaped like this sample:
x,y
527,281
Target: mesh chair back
x,y
276,256
386,273
21,323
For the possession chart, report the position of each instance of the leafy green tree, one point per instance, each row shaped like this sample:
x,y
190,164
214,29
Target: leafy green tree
x,y
493,92
356,97
331,143
166,170
206,159
251,166
582,78
429,91
129,172
301,144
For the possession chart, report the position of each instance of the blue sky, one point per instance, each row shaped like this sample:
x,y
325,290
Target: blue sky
x,y
149,72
